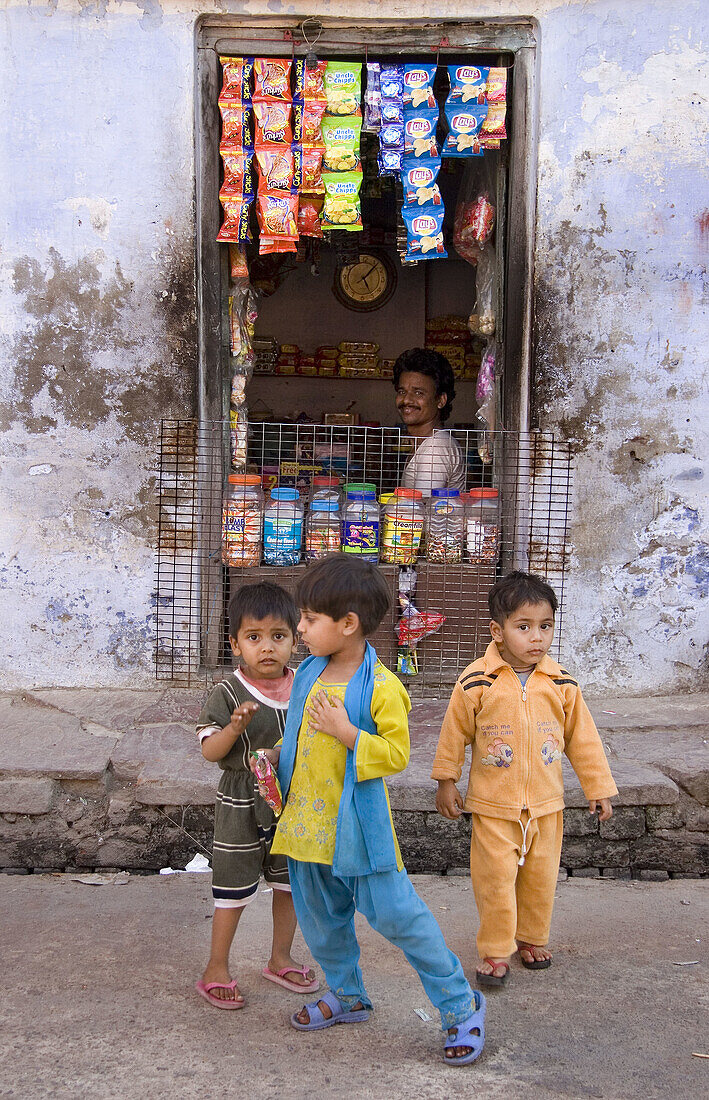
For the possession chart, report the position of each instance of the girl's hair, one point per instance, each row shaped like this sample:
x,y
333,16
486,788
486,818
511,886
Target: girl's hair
x,y
433,365
261,601
510,592
338,584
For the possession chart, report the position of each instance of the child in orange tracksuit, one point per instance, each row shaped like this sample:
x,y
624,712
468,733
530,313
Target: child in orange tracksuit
x,y
520,711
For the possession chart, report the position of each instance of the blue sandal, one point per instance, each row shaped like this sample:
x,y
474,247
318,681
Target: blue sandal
x,y
464,1036
340,1015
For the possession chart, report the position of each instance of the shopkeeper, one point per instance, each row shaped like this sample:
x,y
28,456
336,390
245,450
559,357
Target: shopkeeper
x,y
423,381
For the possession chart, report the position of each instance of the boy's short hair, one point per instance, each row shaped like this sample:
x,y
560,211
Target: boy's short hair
x,y
338,584
510,592
259,601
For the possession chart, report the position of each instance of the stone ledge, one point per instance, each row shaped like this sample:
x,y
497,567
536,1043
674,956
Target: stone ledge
x,y
41,742
26,796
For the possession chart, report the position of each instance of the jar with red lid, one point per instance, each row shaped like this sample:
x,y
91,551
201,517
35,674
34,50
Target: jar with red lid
x,y
482,526
242,521
402,527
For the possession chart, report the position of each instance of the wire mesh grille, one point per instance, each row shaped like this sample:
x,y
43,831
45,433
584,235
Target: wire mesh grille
x,y
526,527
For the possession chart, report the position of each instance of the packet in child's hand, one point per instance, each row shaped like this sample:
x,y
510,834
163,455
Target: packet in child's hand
x,y
267,781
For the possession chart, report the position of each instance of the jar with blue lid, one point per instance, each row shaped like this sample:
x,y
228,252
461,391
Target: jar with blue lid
x,y
360,521
283,528
445,526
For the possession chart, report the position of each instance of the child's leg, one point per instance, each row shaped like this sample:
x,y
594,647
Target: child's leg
x,y
394,909
284,923
536,884
224,925
324,906
494,851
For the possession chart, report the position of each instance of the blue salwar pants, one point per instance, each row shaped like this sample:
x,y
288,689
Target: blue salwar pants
x,y
325,906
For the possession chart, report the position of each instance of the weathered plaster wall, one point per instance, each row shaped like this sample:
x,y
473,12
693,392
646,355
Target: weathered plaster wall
x,y
97,305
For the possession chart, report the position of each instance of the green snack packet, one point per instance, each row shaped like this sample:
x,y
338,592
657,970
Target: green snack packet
x,y
341,209
343,88
341,137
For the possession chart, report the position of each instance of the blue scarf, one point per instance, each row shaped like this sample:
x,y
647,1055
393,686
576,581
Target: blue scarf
x,y
364,843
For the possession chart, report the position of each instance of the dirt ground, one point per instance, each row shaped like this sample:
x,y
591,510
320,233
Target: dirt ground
x,y
98,1000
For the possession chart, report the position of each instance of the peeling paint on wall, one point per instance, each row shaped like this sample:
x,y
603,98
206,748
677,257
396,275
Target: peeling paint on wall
x,y
98,305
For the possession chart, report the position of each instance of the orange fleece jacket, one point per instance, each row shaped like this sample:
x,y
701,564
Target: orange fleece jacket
x,y
518,736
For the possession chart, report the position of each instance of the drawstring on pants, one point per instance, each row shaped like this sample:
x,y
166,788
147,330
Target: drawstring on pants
x,y
523,853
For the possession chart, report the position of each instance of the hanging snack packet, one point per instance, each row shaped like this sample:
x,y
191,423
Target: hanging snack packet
x,y
494,123
343,87
309,83
272,122
341,137
272,79
235,227
419,180
424,230
280,167
238,173
420,133
309,209
236,126
462,139
391,135
238,267
312,171
236,87
391,82
418,86
267,245
372,99
468,84
496,87
341,209
307,122
277,214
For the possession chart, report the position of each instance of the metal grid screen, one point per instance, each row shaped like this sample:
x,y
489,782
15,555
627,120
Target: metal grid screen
x,y
530,471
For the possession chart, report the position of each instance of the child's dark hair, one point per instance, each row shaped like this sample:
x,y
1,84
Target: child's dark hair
x,y
259,601
338,584
510,592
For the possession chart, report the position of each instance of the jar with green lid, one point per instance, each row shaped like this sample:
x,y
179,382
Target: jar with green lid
x,y
360,521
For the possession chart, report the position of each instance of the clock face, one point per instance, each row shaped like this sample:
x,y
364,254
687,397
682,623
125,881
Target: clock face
x,y
367,282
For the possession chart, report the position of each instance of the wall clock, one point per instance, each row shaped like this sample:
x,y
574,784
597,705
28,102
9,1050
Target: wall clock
x,y
367,282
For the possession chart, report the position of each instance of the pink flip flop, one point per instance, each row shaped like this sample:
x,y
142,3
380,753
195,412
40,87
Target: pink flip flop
x,y
279,977
205,990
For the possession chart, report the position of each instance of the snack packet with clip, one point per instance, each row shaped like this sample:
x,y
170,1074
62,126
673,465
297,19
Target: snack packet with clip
x,y
267,781
309,83
419,179
236,86
272,79
418,86
272,122
341,209
420,132
343,87
424,229
468,84
342,138
462,139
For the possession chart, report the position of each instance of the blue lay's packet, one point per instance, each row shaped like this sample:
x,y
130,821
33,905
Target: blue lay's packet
x,y
464,123
424,229
418,86
468,84
420,133
419,179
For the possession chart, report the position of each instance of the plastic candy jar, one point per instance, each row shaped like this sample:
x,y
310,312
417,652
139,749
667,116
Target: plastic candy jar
x,y
242,520
402,527
283,528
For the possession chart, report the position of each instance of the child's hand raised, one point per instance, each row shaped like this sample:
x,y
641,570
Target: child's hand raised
x,y
448,799
241,717
328,715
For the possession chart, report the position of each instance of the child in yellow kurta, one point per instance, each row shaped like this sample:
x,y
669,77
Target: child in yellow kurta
x,y
520,711
347,729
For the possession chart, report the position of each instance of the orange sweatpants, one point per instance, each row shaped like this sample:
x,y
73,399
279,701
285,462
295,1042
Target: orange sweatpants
x,y
514,902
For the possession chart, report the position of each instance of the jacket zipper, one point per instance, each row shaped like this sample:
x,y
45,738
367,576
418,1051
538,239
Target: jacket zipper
x,y
529,740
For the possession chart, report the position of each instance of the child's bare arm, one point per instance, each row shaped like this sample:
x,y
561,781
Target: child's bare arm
x,y
605,810
219,743
449,802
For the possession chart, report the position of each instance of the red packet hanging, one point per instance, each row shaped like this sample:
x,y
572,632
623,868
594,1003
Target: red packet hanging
x,y
272,79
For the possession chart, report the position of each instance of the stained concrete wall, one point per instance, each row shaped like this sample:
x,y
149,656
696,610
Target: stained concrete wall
x,y
97,301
